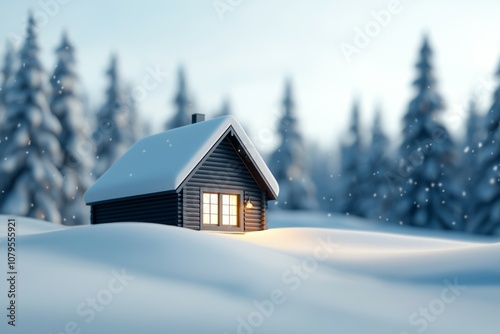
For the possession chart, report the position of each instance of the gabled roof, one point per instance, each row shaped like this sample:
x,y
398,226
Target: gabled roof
x,y
162,162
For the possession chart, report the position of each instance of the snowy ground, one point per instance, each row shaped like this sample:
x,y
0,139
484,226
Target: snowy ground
x,y
145,278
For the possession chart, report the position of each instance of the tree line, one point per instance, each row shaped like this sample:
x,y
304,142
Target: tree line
x,y
431,180
52,148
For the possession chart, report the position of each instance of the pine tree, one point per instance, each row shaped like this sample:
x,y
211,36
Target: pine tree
x,y
324,174
289,163
7,72
348,193
428,196
474,132
77,150
472,141
112,136
30,181
183,104
485,216
375,201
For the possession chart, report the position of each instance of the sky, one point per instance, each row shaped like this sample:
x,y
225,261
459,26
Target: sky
x,y
245,49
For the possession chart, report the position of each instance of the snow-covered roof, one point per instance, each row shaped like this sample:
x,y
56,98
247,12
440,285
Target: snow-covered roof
x,y
162,162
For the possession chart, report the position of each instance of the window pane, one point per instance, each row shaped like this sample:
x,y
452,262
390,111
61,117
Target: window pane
x,y
234,211
225,220
225,209
210,208
225,199
214,199
234,199
233,220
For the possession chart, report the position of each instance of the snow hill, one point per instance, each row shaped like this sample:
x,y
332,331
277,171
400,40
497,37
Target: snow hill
x,y
145,278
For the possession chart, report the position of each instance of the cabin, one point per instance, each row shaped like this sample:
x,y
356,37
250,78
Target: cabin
x,y
204,176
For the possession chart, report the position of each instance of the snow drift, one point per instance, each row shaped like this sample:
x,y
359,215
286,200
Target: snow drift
x,y
136,277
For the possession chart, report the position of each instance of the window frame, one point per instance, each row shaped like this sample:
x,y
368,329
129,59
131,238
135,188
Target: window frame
x,y
219,226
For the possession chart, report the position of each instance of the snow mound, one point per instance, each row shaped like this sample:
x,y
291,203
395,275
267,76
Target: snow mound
x,y
279,219
146,278
28,225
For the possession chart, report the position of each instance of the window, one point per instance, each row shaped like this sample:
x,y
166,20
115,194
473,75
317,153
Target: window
x,y
229,210
220,209
210,209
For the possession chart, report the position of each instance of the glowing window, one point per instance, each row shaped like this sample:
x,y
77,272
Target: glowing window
x,y
210,208
220,209
229,210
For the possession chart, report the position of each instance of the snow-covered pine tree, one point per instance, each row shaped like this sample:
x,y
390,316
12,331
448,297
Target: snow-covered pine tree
x,y
428,196
348,194
7,72
472,141
324,174
7,77
183,103
375,200
474,132
484,218
112,136
78,153
290,162
30,182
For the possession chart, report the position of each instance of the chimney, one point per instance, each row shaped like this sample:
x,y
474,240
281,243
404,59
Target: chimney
x,y
196,118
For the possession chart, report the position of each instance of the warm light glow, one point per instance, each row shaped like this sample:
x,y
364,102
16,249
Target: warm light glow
x,y
210,208
248,204
229,210
220,209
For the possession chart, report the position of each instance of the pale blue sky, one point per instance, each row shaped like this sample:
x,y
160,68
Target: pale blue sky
x,y
247,55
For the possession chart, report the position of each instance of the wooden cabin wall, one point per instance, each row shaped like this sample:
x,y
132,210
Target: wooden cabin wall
x,y
224,169
163,208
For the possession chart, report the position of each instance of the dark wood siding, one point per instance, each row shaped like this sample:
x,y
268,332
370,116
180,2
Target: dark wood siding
x,y
164,208
224,169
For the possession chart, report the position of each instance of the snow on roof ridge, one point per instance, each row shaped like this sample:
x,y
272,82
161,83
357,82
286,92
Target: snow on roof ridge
x,y
147,167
